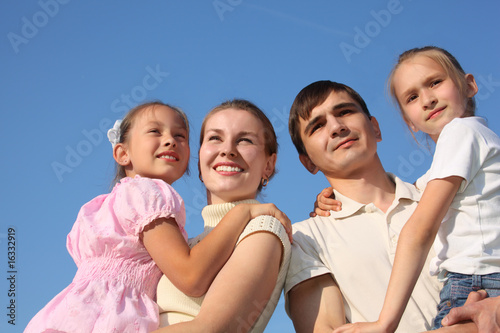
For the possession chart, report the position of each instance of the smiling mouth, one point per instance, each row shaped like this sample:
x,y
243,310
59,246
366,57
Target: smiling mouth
x,y
226,168
345,143
167,156
435,113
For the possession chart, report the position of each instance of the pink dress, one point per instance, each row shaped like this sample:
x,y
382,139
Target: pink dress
x,y
114,289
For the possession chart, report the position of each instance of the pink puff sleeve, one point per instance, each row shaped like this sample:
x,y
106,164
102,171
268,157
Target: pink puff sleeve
x,y
139,201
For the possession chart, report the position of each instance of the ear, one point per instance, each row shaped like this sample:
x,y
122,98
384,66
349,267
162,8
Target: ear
x,y
376,128
120,154
308,164
409,123
270,165
472,88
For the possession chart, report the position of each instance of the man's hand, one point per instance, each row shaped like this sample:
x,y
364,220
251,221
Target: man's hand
x,y
484,312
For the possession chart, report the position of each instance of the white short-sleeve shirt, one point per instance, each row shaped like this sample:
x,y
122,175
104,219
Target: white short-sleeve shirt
x,y
357,247
468,240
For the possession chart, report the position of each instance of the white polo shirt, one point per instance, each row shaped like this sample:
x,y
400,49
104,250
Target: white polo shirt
x,y
468,240
357,247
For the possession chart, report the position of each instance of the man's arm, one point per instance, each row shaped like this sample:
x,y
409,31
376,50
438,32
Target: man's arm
x,y
316,305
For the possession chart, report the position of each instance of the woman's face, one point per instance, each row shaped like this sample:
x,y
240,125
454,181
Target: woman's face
x,y
233,158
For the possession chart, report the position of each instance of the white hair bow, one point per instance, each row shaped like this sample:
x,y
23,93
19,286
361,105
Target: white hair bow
x,y
114,133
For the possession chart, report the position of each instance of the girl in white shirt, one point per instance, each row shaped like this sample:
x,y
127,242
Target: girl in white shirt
x,y
461,191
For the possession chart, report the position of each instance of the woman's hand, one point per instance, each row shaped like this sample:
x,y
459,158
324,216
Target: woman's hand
x,y
325,201
374,327
256,210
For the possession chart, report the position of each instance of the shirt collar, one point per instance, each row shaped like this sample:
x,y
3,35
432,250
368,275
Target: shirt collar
x,y
350,207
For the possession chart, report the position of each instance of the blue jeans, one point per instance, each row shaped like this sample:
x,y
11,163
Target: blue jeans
x,y
458,286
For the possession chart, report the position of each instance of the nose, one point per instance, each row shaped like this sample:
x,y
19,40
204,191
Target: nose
x,y
428,99
335,126
228,149
169,140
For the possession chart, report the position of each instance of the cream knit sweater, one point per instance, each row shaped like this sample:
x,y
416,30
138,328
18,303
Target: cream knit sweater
x,y
177,307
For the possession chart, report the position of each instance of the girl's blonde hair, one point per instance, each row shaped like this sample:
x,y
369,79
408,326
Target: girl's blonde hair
x,y
128,122
450,65
271,141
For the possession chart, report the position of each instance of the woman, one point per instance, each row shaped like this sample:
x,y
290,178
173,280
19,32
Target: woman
x,y
237,158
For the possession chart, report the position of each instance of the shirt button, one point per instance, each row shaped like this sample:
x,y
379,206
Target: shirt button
x,y
370,208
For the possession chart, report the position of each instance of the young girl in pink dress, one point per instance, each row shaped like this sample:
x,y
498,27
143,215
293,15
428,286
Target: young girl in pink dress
x,y
123,241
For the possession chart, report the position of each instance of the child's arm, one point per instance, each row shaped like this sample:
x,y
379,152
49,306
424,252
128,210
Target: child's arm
x,y
193,270
414,243
325,201
240,291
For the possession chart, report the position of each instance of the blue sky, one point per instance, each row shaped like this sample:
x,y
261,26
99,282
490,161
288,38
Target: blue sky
x,y
70,68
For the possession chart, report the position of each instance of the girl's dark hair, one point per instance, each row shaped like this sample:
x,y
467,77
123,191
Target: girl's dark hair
x,y
128,122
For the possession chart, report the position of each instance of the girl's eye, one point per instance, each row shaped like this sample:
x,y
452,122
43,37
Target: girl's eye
x,y
154,130
436,82
411,98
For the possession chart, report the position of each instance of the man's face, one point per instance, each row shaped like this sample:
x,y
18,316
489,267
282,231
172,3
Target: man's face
x,y
339,137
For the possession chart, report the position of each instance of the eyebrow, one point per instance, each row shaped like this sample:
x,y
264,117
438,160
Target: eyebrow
x,y
336,107
160,124
218,130
431,77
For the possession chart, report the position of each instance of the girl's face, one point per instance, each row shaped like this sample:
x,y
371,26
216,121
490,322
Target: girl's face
x,y
429,98
233,160
158,145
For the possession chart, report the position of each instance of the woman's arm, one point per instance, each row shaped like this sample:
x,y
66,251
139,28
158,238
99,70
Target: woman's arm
x,y
241,290
414,243
193,270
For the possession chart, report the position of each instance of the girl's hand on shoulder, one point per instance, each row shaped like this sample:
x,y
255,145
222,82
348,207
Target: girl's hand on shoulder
x,y
256,210
325,201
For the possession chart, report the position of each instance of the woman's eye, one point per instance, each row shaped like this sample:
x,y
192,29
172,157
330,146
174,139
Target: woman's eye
x,y
214,137
245,140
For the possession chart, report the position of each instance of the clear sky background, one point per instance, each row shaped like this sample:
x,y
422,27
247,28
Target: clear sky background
x,y
70,68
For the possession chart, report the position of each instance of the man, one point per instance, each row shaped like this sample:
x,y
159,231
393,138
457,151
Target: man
x,y
341,264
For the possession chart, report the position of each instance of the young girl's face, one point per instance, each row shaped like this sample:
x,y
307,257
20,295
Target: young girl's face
x,y
158,145
233,159
429,98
